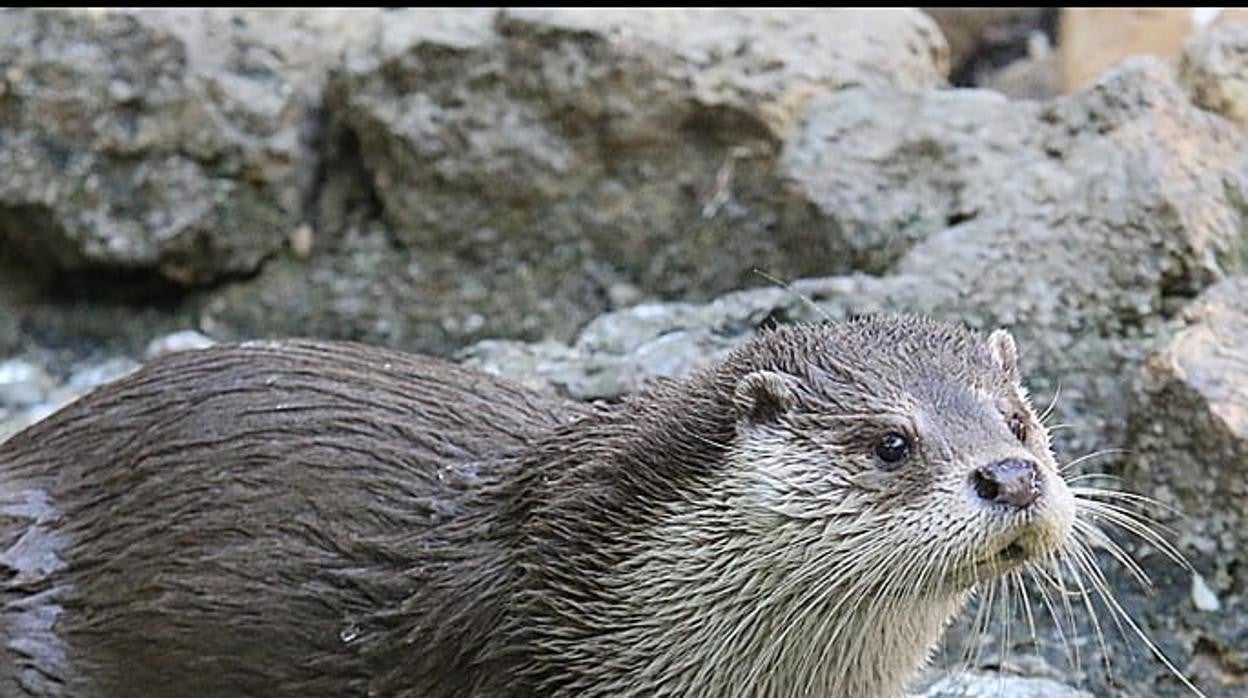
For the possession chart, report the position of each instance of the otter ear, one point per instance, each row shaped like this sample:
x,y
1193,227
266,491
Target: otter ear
x,y
762,396
1004,351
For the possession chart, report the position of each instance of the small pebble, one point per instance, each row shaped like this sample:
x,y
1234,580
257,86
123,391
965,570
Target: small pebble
x,y
23,383
177,341
1203,596
301,241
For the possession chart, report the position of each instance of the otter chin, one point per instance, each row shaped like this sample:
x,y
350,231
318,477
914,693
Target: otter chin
x,y
803,517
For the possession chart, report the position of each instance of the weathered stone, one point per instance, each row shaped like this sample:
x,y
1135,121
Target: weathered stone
x,y
168,143
1214,69
23,383
619,352
1189,449
649,139
362,286
183,340
1093,39
1075,223
986,685
536,168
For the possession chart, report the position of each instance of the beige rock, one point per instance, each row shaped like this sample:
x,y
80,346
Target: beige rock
x,y
1094,39
1229,15
1189,437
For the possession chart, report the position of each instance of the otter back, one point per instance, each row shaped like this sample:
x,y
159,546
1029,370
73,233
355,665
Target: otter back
x,y
244,520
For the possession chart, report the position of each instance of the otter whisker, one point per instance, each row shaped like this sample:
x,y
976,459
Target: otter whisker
x,y
1020,584
1071,654
1118,612
986,593
1131,522
1091,491
1094,535
1089,456
1058,578
1083,557
1052,404
1092,476
1071,565
1007,613
788,286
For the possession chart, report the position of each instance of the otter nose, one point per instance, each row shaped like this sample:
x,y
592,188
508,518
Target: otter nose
x,y
1013,481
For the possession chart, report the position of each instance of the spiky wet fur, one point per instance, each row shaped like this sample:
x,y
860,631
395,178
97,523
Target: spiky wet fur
x,y
327,519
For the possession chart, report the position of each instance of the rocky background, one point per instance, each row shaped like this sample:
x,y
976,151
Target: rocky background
x,y
585,200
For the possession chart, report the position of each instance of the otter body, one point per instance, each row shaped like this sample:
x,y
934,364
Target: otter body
x,y
325,519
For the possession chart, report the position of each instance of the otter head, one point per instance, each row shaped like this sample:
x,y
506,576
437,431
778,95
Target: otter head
x,y
910,445
880,469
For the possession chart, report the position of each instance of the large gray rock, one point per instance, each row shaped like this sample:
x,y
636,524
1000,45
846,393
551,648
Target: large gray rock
x,y
161,143
645,140
1189,449
516,174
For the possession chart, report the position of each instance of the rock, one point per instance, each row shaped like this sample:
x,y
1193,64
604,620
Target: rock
x,y
1214,69
300,241
94,374
1092,40
984,40
1204,598
360,286
1074,223
183,340
619,352
892,168
28,393
1228,15
1189,449
590,164
23,383
990,685
643,143
170,144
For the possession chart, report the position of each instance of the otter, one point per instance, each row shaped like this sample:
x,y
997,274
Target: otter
x,y
313,518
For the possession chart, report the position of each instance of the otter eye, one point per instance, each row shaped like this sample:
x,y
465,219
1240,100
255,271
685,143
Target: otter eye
x,y
1018,426
892,449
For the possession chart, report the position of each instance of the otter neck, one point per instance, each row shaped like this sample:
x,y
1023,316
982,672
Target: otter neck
x,y
765,621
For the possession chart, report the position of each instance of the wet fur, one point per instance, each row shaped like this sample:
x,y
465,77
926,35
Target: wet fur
x,y
320,519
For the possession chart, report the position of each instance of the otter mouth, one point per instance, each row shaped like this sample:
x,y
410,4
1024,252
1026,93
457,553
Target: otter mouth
x,y
1006,557
1014,552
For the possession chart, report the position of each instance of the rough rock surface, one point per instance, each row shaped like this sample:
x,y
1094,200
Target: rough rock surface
x,y
648,139
1076,223
987,685
1189,449
130,148
553,156
1214,68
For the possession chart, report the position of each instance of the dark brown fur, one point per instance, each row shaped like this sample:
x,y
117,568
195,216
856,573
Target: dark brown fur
x,y
326,519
